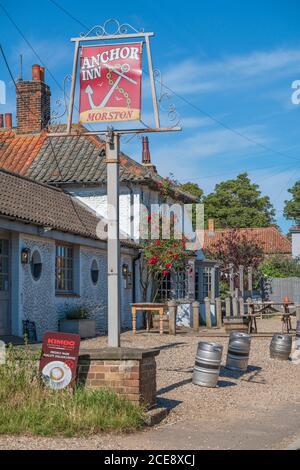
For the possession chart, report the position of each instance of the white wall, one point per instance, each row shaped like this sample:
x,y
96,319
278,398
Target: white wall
x,y
296,244
130,203
96,199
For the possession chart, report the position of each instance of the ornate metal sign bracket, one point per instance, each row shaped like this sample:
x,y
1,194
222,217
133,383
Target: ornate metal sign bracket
x,y
110,31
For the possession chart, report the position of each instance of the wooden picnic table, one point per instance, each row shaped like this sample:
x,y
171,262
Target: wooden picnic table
x,y
285,315
150,308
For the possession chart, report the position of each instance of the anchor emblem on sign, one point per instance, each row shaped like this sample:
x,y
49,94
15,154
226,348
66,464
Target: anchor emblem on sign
x,y
121,72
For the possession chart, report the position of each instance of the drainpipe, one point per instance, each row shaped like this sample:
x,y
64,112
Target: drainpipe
x,y
133,276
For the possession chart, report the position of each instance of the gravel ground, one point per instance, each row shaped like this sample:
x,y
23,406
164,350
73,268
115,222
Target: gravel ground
x,y
266,384
269,387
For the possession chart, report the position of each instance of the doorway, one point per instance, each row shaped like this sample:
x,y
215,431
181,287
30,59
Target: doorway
x,y
5,327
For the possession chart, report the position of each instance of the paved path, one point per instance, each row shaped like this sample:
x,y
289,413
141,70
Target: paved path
x,y
273,430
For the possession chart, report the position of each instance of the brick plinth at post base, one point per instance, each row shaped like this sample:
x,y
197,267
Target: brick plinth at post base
x,y
130,373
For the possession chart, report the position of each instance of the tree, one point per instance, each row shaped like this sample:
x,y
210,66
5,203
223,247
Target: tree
x,y
292,207
238,203
235,248
280,266
193,189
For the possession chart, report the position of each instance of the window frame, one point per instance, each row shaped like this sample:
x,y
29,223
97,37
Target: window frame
x,y
65,269
174,286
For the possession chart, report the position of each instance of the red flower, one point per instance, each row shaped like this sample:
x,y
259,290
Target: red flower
x,y
153,260
165,272
158,243
176,255
149,219
169,266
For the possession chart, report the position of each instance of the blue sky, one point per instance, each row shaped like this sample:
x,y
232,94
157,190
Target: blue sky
x,y
232,60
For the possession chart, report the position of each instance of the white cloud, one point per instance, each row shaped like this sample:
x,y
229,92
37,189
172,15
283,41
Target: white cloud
x,y
192,76
53,53
209,143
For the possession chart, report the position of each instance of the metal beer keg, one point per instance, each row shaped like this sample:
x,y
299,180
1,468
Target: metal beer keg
x,y
208,364
238,351
298,335
281,347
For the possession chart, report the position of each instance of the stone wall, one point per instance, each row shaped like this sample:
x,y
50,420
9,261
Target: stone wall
x,y
39,302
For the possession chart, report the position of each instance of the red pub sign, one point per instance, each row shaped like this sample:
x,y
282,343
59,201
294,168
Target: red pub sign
x,y
110,83
58,364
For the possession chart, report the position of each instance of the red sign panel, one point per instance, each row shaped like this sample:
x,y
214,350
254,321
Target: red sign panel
x,y
58,364
110,83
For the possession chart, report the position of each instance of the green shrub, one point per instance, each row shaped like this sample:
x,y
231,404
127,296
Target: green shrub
x,y
28,407
78,313
279,266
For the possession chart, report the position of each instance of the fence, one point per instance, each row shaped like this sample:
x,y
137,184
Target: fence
x,y
277,289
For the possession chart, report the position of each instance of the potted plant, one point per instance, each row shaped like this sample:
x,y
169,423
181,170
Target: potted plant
x,y
78,322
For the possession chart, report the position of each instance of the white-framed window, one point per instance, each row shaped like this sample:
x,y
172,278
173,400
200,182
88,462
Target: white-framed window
x,y
207,282
64,269
174,286
4,265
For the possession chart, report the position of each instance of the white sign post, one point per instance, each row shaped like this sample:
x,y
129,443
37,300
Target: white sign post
x,y
99,34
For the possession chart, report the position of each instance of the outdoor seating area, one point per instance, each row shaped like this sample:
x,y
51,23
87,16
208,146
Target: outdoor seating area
x,y
149,229
232,313
239,396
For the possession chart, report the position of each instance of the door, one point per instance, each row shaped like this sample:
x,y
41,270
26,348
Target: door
x,y
4,286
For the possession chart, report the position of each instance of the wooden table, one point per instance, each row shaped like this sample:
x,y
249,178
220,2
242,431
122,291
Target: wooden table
x,y
149,308
285,314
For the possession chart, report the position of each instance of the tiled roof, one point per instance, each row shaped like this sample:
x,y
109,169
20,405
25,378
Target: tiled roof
x,y
45,206
69,160
17,154
271,240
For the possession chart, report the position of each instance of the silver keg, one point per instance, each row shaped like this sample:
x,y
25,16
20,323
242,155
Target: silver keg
x,y
281,347
238,351
298,335
208,364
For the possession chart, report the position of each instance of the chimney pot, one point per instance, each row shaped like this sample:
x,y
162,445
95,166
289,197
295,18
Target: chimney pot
x,y
1,121
8,120
33,103
211,225
42,69
146,160
36,72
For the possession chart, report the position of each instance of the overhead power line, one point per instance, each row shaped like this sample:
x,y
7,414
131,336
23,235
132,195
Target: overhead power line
x,y
210,116
69,14
197,108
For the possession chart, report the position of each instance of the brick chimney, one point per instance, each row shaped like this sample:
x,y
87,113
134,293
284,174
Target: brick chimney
x,y
33,103
211,225
8,121
146,158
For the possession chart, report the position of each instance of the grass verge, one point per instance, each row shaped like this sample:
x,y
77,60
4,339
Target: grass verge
x,y
28,407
